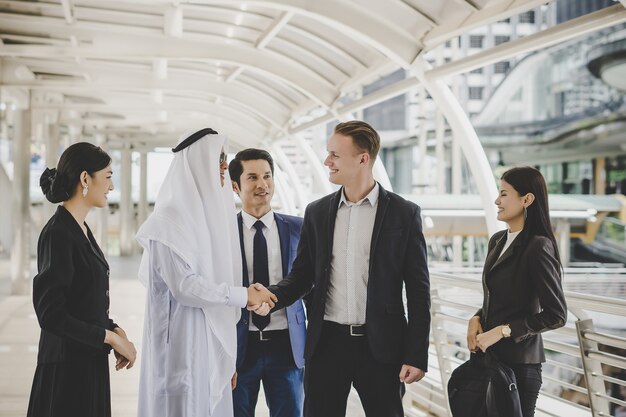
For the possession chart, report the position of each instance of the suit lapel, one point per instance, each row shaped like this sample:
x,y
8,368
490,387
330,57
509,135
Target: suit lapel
x,y
332,217
76,230
510,251
383,202
95,249
493,256
283,236
244,265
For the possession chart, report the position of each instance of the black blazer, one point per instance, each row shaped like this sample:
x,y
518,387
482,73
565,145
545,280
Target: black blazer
x,y
70,292
522,288
397,257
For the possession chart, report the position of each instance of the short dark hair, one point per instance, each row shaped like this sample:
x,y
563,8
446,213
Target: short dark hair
x,y
60,184
363,136
235,168
529,180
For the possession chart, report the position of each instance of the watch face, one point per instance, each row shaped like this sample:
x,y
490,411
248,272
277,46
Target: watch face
x,y
506,331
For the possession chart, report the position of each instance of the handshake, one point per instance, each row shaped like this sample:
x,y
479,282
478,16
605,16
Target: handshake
x,y
260,299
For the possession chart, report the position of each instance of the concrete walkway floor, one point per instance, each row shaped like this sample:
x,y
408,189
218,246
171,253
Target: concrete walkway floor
x,y
19,335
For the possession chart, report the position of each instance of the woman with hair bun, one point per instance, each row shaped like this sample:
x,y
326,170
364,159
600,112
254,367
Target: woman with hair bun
x,y
71,294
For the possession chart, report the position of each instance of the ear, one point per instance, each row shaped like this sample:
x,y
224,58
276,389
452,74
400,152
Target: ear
x,y
365,159
83,178
529,199
235,187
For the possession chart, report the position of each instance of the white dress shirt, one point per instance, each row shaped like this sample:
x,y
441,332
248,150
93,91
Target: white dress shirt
x,y
510,237
278,319
349,266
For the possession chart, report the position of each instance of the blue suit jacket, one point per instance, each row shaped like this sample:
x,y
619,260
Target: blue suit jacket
x,y
289,236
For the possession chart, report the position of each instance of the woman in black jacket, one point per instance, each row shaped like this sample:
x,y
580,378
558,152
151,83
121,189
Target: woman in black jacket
x,y
71,294
523,296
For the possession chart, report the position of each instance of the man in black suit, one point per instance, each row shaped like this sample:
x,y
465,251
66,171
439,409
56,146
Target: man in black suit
x,y
359,247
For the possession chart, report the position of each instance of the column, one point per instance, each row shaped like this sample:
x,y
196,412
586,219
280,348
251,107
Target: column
x,y
455,171
142,209
599,176
126,203
102,215
52,158
20,250
563,235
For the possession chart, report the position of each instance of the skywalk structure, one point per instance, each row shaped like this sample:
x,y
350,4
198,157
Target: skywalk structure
x,y
133,76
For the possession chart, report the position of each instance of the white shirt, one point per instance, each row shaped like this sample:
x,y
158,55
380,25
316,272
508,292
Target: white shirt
x,y
349,265
278,319
510,237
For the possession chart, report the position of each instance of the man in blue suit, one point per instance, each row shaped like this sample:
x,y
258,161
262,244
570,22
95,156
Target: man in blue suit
x,y
270,348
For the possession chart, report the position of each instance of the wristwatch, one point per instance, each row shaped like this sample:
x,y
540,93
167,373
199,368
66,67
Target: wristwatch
x,y
506,331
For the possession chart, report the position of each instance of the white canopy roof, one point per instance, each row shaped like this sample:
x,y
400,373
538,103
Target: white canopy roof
x,y
146,70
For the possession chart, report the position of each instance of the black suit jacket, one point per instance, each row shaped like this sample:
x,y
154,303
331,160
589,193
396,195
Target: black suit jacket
x,y
522,288
397,260
70,292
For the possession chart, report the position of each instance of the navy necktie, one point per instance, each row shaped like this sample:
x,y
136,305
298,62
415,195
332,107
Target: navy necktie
x,y
260,269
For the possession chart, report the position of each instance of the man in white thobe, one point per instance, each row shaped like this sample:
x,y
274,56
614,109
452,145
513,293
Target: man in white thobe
x,y
190,264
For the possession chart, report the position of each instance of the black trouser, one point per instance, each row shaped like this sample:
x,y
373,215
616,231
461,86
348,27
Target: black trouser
x,y
528,378
340,361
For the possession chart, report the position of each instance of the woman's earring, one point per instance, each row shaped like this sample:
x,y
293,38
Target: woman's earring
x,y
86,190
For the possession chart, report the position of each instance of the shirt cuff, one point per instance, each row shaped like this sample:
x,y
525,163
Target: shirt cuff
x,y
238,297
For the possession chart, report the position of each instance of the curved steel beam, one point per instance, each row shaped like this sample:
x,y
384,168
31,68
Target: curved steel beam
x,y
468,140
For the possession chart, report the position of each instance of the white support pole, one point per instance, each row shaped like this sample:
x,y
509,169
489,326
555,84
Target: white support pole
x,y
440,133
319,174
380,174
20,250
102,235
52,158
463,130
282,190
126,203
142,209
563,231
296,186
423,174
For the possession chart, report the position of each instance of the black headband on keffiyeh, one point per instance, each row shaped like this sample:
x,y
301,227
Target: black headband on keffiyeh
x,y
193,138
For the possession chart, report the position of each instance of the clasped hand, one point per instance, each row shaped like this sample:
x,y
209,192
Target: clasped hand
x,y
260,299
479,339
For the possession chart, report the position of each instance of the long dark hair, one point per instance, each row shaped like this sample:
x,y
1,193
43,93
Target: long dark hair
x,y
59,184
529,180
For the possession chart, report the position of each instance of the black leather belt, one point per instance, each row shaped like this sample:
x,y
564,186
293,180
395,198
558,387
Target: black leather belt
x,y
347,329
266,335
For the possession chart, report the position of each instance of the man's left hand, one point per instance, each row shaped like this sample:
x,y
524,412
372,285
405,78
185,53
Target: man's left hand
x,y
410,374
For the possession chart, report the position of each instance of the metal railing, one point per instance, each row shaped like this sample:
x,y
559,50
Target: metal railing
x,y
585,368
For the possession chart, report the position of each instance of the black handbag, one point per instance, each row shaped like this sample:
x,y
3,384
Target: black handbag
x,y
484,387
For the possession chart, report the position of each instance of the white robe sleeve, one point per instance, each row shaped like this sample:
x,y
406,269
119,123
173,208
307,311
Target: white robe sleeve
x,y
189,288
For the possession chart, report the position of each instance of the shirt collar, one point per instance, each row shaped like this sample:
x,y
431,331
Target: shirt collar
x,y
372,197
249,220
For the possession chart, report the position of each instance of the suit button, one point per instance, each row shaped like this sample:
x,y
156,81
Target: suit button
x,y
107,293
108,272
107,311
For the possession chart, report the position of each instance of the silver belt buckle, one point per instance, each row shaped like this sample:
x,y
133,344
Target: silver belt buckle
x,y
352,331
261,336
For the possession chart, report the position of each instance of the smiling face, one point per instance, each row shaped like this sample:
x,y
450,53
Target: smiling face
x,y
257,187
100,184
345,161
510,204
